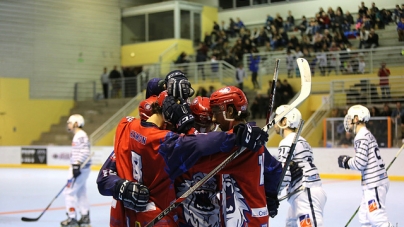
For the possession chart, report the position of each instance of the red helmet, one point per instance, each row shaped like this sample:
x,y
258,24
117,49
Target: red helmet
x,y
161,97
200,108
229,95
145,109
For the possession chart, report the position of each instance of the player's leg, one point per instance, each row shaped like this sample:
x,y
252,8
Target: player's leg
x,y
291,217
363,214
376,201
309,207
83,204
70,193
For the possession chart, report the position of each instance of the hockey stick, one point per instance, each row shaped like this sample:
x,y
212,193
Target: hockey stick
x,y
301,188
290,155
273,90
36,219
388,167
304,93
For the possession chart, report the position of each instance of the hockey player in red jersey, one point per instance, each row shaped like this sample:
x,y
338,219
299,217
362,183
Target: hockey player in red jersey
x,y
145,107
140,143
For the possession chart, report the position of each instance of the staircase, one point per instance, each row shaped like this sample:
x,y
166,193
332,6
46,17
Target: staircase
x,y
95,113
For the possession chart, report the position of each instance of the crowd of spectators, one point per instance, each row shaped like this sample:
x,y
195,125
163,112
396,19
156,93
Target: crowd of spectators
x,y
121,83
324,38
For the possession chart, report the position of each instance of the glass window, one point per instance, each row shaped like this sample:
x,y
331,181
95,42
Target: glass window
x,y
161,25
197,28
242,3
226,4
133,29
185,24
259,2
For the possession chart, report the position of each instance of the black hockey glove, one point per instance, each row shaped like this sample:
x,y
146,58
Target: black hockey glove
x,y
250,137
76,170
343,161
272,205
296,173
177,112
179,88
133,195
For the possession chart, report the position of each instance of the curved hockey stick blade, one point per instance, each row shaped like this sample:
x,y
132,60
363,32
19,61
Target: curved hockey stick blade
x,y
29,219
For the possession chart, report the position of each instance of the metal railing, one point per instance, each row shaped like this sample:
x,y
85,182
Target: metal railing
x,y
346,62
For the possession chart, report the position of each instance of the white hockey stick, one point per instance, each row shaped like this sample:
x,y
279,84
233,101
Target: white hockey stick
x,y
388,167
304,93
36,219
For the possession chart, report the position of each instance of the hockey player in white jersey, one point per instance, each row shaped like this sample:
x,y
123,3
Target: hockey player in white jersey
x,y
75,192
307,205
375,182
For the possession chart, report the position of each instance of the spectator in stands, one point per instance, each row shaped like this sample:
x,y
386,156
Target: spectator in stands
x,y
214,66
317,41
240,75
374,112
290,63
374,8
400,29
303,25
278,22
386,111
397,14
346,141
115,78
322,61
288,92
312,28
362,9
216,26
129,82
362,65
232,28
239,25
254,68
397,118
290,22
373,39
384,74
202,92
202,56
363,38
333,61
255,107
338,21
105,83
349,18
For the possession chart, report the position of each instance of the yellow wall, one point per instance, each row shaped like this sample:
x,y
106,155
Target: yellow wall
x,y
24,119
149,52
209,15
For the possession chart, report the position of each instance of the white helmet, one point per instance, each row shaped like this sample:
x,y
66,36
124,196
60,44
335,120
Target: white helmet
x,y
293,117
76,118
356,110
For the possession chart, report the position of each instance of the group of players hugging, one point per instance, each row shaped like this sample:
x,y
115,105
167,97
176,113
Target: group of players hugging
x,y
174,144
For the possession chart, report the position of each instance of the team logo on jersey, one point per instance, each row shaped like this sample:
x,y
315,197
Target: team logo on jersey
x,y
305,221
201,208
147,106
129,118
234,202
195,101
372,205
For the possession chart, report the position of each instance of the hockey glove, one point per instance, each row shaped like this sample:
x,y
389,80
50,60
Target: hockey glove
x,y
178,113
76,170
296,173
179,88
272,205
250,137
343,161
133,195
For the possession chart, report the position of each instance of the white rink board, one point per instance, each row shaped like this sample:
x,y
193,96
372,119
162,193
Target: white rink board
x,y
324,158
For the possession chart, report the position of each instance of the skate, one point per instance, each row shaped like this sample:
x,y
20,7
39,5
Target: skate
x,y
69,222
85,220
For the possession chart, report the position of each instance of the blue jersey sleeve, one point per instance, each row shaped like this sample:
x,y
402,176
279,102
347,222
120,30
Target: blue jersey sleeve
x,y
272,174
107,177
181,152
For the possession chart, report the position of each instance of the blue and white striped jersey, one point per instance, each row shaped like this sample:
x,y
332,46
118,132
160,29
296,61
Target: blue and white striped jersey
x,y
302,155
80,148
367,159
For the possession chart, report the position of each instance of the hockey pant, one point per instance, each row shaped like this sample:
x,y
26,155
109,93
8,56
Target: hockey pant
x,y
306,208
372,211
76,193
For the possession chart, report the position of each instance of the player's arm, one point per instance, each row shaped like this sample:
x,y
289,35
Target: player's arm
x,y
360,160
107,176
133,195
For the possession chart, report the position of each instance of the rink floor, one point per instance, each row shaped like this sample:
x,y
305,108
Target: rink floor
x,y
26,193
